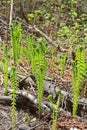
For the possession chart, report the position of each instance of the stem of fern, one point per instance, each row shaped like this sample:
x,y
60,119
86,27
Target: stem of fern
x,y
74,88
5,68
55,112
55,108
13,94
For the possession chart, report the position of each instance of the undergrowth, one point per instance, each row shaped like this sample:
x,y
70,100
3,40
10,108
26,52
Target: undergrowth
x,y
70,28
36,55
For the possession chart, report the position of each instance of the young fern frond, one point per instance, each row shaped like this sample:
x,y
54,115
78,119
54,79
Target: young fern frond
x,y
31,47
16,37
55,115
37,58
55,109
5,67
63,62
75,89
40,67
30,42
79,70
13,94
81,65
40,74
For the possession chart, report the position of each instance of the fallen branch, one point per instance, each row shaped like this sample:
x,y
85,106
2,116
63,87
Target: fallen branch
x,y
66,102
45,36
46,105
11,12
5,98
25,95
36,29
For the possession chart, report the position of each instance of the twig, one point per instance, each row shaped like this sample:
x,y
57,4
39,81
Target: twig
x,y
5,98
44,35
38,30
4,114
11,12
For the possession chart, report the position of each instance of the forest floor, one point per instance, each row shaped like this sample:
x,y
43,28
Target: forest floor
x,y
26,112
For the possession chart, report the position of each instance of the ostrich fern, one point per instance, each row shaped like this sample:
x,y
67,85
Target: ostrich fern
x,y
55,108
13,94
79,70
31,48
63,63
16,37
40,68
5,67
75,88
37,57
81,65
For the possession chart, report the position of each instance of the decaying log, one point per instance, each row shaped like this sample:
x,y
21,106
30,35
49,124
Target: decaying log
x,y
52,88
46,104
28,96
47,107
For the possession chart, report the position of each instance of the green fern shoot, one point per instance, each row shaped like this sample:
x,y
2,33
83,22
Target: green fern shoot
x,y
5,67
16,37
37,57
55,109
31,51
79,70
13,94
75,89
40,69
63,62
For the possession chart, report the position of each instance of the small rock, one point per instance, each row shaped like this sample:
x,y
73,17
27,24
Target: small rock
x,y
74,128
24,127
